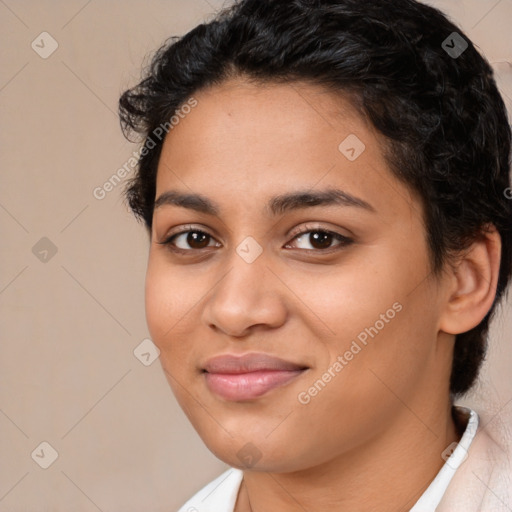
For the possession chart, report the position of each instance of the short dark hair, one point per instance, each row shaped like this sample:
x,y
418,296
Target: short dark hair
x,y
442,117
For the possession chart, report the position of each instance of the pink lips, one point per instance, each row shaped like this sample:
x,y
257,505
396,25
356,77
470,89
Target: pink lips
x,y
249,376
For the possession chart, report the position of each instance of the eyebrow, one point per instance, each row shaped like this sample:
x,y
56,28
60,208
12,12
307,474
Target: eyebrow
x,y
277,205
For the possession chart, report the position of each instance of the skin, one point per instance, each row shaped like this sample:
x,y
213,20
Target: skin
x,y
372,438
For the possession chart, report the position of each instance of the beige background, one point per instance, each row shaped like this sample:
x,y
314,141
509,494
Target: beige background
x,y
70,324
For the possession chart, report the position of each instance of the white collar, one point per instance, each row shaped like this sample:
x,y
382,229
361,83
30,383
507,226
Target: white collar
x,y
431,498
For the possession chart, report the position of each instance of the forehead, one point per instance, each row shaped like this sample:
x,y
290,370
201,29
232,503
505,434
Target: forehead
x,y
246,140
298,111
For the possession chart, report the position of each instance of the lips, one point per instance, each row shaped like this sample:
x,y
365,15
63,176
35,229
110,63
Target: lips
x,y
249,363
249,376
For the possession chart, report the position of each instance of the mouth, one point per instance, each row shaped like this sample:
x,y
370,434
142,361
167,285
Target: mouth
x,y
250,376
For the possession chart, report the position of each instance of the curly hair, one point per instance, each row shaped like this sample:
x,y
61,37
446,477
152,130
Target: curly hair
x,y
444,122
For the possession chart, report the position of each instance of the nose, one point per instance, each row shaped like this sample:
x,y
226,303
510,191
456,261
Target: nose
x,y
247,297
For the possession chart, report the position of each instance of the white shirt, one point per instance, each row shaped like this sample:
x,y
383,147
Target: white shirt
x,y
483,482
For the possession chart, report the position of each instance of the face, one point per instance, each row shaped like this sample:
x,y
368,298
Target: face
x,y
301,246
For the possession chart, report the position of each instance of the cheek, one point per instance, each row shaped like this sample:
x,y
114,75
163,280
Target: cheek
x,y
375,315
171,297
357,397
158,301
353,296
386,351
164,301
164,309
168,292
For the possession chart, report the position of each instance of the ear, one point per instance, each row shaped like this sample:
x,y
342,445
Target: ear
x,y
471,284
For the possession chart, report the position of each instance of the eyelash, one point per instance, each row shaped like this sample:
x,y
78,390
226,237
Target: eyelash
x,y
344,241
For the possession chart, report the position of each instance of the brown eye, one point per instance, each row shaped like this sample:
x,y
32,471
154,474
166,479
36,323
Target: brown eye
x,y
197,239
320,239
187,241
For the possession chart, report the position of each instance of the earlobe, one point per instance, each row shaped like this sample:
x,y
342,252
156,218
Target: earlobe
x,y
473,282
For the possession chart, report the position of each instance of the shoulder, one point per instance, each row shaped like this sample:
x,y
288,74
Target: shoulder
x,y
483,481
217,496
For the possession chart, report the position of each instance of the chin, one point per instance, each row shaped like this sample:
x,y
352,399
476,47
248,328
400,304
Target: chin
x,y
253,453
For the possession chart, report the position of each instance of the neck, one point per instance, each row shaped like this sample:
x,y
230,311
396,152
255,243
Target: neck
x,y
387,474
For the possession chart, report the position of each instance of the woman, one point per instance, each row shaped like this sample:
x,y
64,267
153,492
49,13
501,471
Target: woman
x,y
324,185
